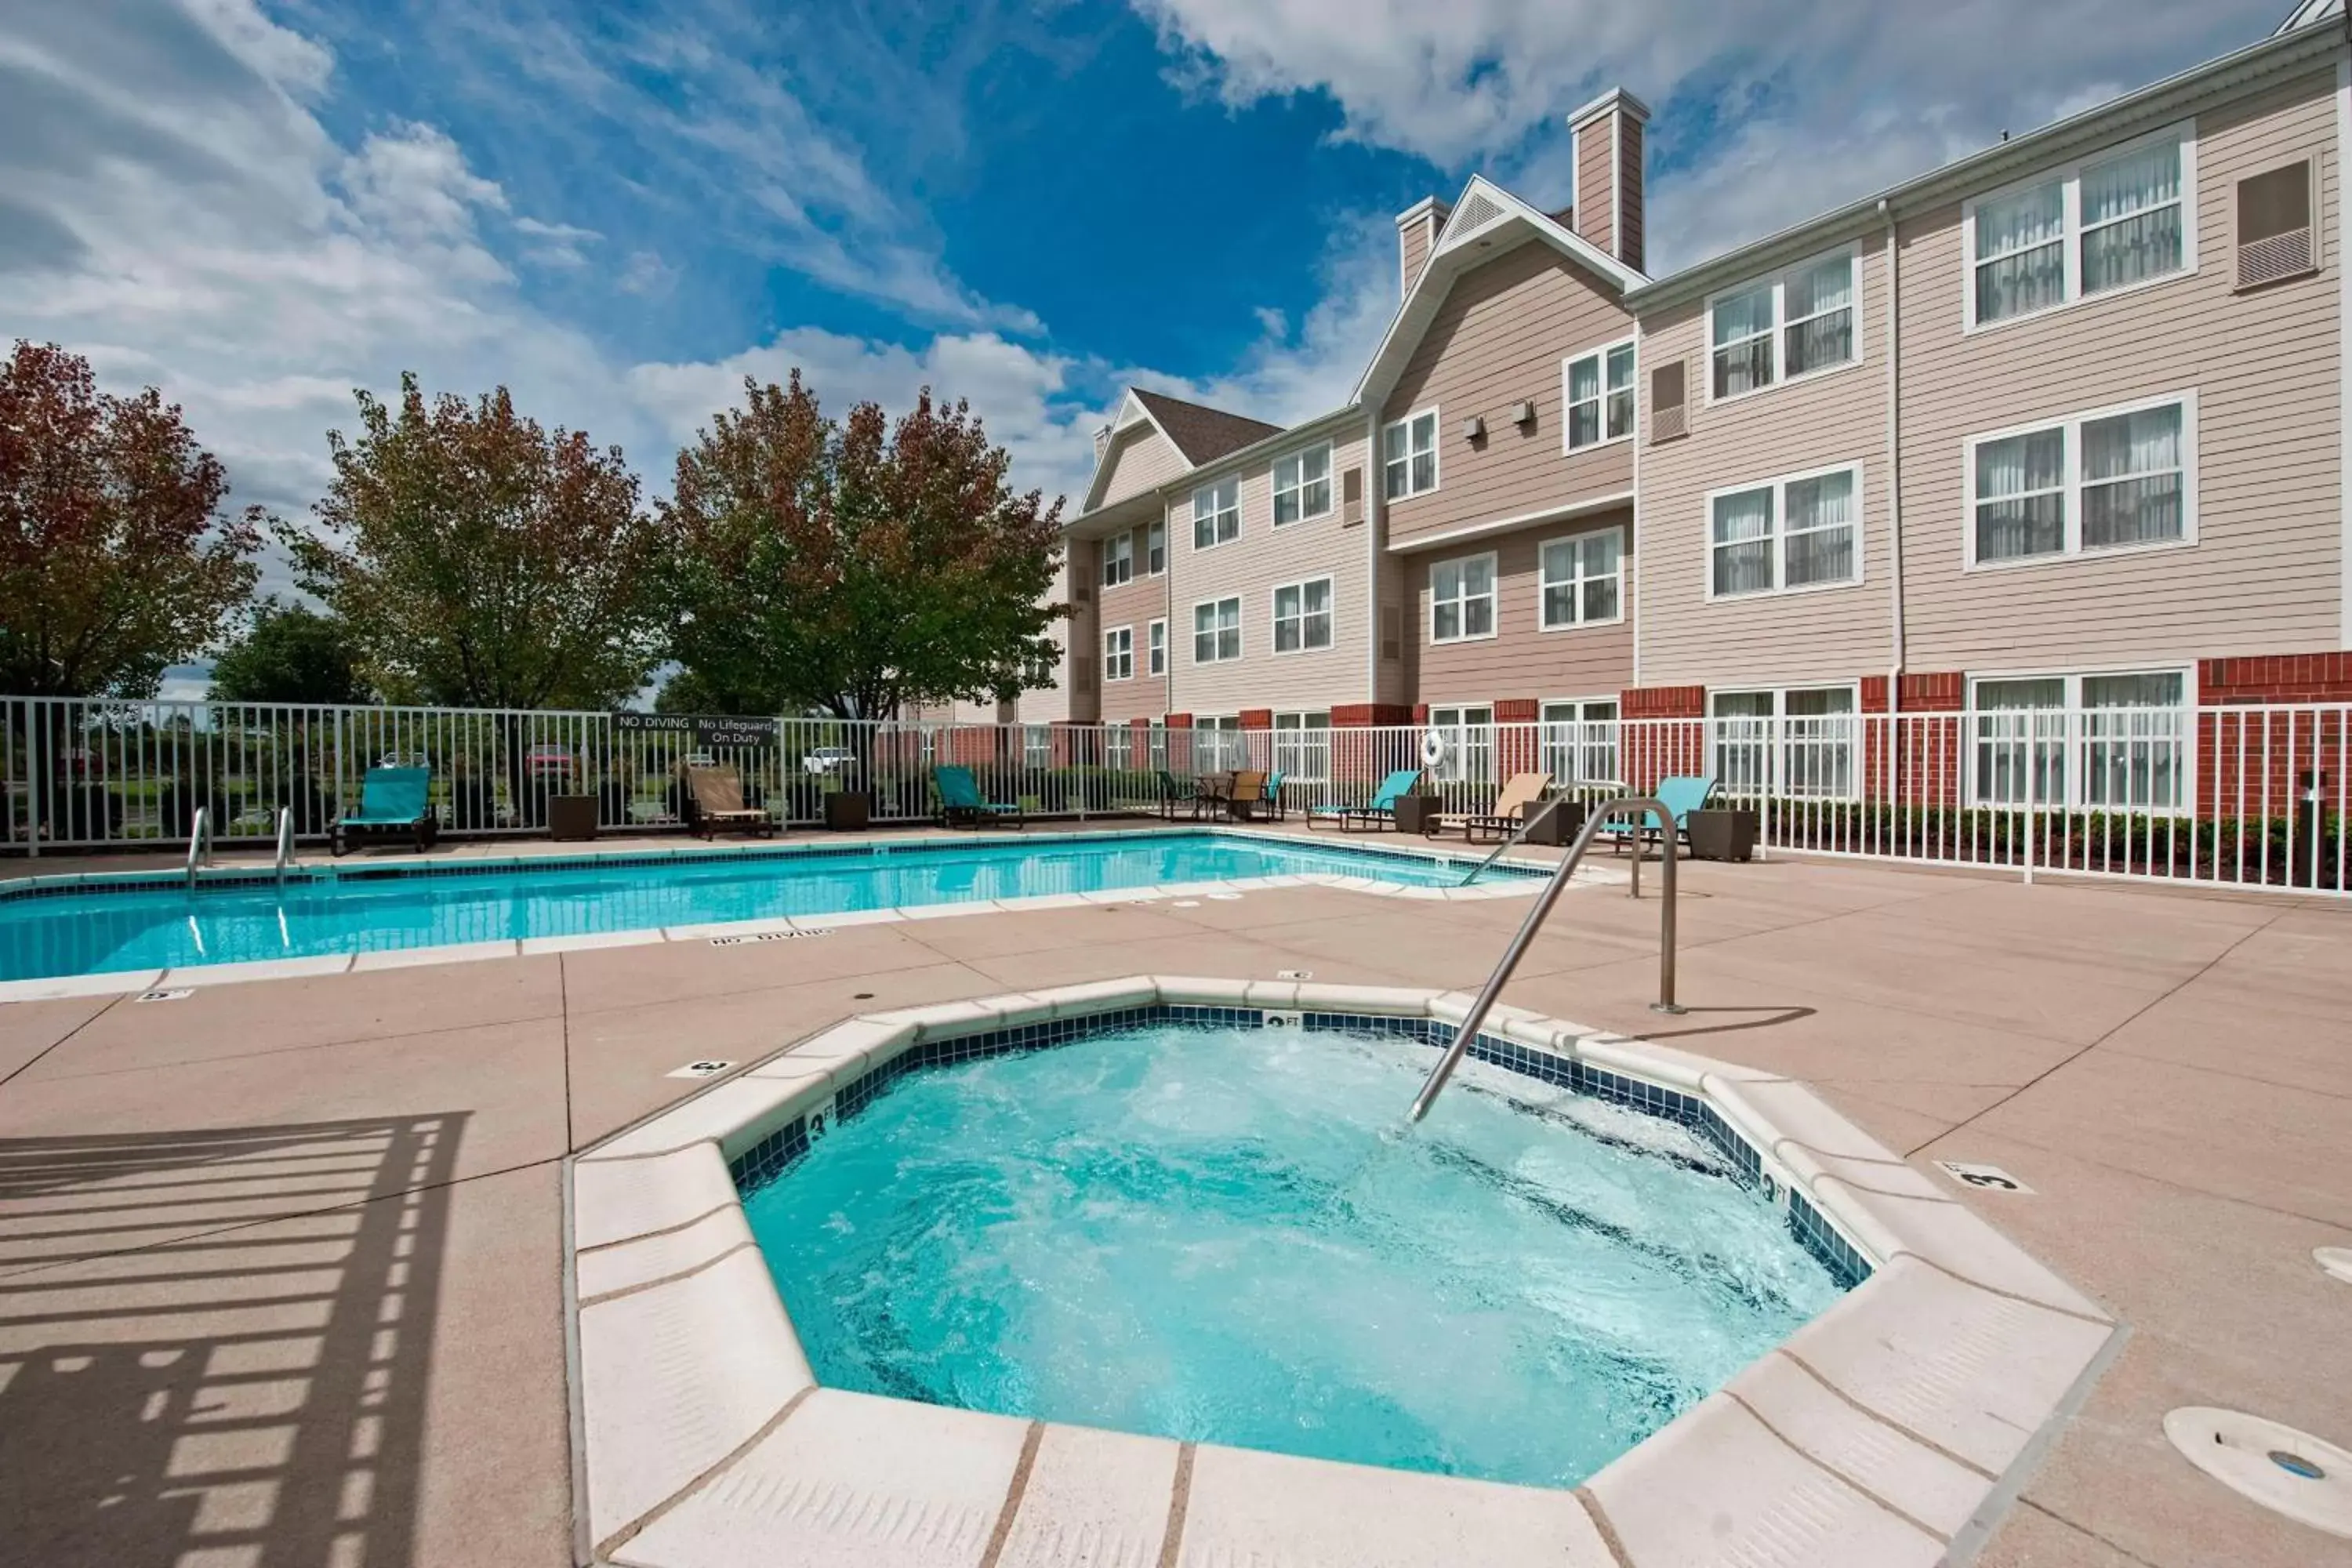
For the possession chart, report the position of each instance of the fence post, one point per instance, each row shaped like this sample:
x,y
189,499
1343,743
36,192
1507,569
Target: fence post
x,y
33,778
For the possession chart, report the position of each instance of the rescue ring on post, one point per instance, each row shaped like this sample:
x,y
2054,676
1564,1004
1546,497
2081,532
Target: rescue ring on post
x,y
1432,747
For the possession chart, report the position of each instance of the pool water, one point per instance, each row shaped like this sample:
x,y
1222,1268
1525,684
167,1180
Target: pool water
x,y
1223,1236
165,926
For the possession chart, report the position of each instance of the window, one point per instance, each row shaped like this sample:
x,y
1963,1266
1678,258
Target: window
x,y
1461,599
1118,560
2111,480
1302,747
1579,580
1580,740
1156,637
1116,753
1159,745
1803,532
1036,746
1785,328
1469,734
1409,455
1784,742
2100,226
1216,514
1302,485
1216,631
1302,616
1599,394
1217,744
2100,741
1118,654
1155,549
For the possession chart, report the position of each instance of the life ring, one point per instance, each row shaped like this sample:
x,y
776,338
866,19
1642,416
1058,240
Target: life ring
x,y
1432,747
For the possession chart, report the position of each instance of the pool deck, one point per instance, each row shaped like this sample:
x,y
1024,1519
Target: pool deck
x,y
280,1262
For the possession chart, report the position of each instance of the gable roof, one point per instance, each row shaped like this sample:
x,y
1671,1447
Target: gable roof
x,y
1486,221
1201,434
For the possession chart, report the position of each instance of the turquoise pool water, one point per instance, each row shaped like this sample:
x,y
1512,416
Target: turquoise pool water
x,y
1223,1236
167,927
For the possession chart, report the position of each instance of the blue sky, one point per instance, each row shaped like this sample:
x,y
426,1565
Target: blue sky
x,y
620,210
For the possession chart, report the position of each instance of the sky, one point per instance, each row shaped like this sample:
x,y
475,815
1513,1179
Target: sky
x,y
621,210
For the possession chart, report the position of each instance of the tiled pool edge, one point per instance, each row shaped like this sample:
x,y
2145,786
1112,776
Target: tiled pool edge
x,y
117,983
1894,1417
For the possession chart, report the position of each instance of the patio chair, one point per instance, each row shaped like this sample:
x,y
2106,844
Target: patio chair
x,y
962,804
392,800
1681,795
1518,792
717,798
1174,794
1247,795
1210,792
1275,809
1380,809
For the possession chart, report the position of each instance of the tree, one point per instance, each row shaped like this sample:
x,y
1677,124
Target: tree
x,y
115,559
479,561
858,567
291,655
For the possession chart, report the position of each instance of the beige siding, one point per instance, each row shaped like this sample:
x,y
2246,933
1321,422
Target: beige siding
x,y
1416,237
1252,566
1137,603
1594,182
2265,574
1629,249
1521,661
1139,458
1499,338
1792,427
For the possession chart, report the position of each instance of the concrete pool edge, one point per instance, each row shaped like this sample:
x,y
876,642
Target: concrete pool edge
x,y
117,983
1873,1436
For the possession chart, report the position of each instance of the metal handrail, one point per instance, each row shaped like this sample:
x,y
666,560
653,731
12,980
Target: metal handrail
x,y
1467,1030
200,844
285,841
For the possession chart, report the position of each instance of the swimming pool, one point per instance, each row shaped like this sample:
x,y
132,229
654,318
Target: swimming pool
x,y
1222,1235
146,925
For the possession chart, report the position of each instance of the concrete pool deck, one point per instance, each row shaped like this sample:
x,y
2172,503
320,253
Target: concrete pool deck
x,y
280,1263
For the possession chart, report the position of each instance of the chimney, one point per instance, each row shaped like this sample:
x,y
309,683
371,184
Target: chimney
x,y
1608,211
1418,228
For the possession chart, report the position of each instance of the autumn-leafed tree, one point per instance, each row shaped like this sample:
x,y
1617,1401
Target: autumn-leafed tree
x,y
480,561
115,557
856,567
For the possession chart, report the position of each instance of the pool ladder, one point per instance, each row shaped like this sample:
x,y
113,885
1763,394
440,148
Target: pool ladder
x,y
1606,812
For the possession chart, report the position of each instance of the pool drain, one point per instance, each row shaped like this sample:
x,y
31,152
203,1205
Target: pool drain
x,y
2307,1478
2334,1261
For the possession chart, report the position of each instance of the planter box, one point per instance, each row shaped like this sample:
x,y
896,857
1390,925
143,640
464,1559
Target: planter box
x,y
1555,823
1721,834
1416,813
848,810
571,817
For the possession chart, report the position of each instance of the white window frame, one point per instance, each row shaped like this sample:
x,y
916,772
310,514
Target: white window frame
x,y
1155,637
1227,751
1217,632
1470,741
1330,483
1304,757
1568,445
1217,513
1118,643
1580,738
1123,558
1777,745
1437,448
1331,614
2071,226
1544,584
1161,528
2075,760
1778,283
2071,489
1493,596
1778,485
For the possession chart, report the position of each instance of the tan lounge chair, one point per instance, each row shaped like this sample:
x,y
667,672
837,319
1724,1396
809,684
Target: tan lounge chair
x,y
1503,820
719,803
1247,796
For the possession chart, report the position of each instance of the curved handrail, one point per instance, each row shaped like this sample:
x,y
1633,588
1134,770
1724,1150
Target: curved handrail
x,y
200,844
1607,811
285,841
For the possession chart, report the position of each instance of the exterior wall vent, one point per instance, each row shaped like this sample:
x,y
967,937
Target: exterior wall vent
x,y
1391,634
1523,412
1473,427
2275,240
1082,675
1666,404
1476,212
1352,498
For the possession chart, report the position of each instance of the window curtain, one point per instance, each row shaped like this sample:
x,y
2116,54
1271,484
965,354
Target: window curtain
x,y
2132,479
1478,597
2137,198
1820,530
1743,340
1821,305
2021,502
1743,543
2027,233
1584,401
1620,392
1597,566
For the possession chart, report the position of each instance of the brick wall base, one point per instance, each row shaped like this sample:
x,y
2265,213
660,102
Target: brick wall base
x,y
2275,678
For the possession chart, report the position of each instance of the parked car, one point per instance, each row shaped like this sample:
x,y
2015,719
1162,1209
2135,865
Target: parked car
x,y
826,761
548,762
404,760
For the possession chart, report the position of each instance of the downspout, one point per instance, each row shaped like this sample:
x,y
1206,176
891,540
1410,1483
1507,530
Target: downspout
x,y
1372,520
1894,513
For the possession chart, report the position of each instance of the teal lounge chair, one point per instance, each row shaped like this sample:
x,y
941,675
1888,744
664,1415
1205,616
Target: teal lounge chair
x,y
1272,806
392,800
960,801
1381,809
1681,795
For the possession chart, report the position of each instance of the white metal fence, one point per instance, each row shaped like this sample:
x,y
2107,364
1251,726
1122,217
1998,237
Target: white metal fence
x,y
2230,796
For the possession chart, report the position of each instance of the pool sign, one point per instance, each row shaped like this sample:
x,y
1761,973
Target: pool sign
x,y
712,729
707,1068
1984,1178
771,936
175,995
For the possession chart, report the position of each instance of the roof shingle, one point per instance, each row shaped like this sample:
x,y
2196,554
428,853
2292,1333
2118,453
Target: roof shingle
x,y
1203,434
